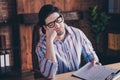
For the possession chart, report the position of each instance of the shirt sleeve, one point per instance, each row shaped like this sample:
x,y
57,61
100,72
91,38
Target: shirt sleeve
x,y
87,49
47,68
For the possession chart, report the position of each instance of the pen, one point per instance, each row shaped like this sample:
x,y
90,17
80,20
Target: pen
x,y
112,75
117,75
109,77
117,72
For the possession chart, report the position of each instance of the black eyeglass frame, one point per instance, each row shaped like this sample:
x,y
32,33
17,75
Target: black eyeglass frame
x,y
57,20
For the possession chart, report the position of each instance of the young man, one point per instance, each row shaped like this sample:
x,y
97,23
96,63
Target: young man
x,y
60,47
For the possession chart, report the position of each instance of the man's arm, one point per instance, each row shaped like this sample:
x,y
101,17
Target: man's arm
x,y
50,36
88,51
48,63
48,68
50,54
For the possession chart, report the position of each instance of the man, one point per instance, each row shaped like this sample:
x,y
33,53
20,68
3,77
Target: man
x,y
60,47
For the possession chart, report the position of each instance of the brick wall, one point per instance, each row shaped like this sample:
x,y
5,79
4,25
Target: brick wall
x,y
7,10
6,36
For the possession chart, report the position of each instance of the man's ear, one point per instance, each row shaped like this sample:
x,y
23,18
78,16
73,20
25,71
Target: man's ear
x,y
63,18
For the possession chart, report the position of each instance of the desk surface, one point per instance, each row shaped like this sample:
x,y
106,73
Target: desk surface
x,y
68,76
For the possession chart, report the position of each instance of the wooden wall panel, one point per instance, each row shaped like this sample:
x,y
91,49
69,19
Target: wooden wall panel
x,y
26,47
20,8
38,4
58,3
33,6
71,5
29,6
48,1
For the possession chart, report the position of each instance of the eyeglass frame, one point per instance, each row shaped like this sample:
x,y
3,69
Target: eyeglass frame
x,y
55,21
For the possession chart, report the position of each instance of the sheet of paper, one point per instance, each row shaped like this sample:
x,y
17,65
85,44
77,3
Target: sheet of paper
x,y
97,72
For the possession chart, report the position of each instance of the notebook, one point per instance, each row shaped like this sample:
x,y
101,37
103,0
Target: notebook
x,y
97,72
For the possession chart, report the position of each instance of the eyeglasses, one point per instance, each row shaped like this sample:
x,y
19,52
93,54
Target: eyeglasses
x,y
52,24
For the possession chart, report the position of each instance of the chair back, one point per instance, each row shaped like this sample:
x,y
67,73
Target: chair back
x,y
35,39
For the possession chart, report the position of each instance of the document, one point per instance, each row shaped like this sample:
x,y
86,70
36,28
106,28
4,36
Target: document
x,y
97,72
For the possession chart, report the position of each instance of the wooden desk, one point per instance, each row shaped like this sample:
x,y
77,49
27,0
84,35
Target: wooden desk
x,y
68,76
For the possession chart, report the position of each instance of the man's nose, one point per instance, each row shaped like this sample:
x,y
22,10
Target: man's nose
x,y
57,25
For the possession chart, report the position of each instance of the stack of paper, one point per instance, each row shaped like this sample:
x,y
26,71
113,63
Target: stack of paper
x,y
97,72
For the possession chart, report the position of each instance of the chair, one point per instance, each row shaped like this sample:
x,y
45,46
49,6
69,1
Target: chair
x,y
35,39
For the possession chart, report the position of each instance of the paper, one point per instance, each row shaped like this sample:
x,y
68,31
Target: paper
x,y
117,76
97,72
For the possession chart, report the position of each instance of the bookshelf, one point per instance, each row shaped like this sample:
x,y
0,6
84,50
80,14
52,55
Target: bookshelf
x,y
113,10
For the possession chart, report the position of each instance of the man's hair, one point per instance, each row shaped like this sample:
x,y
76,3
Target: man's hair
x,y
44,12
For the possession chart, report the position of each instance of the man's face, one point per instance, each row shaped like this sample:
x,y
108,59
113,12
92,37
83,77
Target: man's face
x,y
56,21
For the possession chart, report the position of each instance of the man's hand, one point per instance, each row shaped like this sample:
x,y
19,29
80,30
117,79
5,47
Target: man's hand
x,y
94,62
50,33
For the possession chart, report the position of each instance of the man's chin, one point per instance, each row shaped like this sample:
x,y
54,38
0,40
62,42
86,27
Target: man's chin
x,y
59,34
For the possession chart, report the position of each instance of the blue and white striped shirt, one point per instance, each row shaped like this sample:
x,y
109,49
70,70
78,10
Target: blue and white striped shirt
x,y
68,53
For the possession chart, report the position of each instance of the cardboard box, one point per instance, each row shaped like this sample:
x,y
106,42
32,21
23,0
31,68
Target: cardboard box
x,y
114,41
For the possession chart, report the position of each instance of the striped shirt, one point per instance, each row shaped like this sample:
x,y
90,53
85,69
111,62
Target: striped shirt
x,y
68,53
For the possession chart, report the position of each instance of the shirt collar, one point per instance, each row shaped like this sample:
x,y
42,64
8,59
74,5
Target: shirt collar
x,y
68,30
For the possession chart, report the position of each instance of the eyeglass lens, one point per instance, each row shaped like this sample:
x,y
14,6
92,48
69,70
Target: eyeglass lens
x,y
52,24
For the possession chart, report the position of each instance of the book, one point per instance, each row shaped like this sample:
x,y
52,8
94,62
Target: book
x,y
96,72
